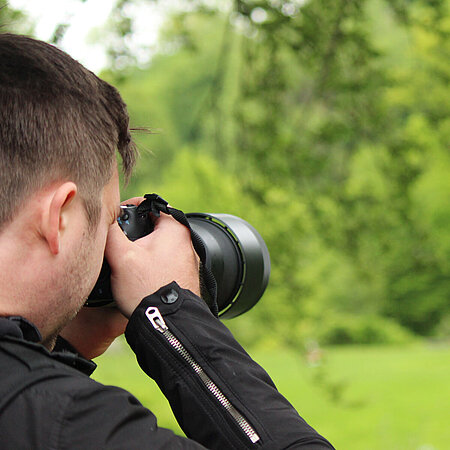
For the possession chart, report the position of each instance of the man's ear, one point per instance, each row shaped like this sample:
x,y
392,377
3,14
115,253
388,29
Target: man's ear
x,y
55,221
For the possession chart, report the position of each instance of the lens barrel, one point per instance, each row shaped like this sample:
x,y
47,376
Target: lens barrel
x,y
238,258
236,255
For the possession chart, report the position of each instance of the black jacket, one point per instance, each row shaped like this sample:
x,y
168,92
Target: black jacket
x,y
221,398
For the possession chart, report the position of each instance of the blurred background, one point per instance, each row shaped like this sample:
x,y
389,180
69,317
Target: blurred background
x,y
325,125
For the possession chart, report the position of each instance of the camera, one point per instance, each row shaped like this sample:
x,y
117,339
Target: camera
x,y
236,254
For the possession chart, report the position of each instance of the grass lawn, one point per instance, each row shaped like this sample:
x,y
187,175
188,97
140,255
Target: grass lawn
x,y
358,397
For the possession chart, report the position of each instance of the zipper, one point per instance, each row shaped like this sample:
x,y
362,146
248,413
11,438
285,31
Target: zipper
x,y
154,316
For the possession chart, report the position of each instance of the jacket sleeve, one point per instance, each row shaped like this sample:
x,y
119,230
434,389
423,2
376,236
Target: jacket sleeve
x,y
219,395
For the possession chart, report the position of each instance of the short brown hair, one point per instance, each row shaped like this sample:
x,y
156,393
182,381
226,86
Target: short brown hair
x,y
57,121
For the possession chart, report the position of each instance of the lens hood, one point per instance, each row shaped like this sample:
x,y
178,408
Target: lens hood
x,y
237,256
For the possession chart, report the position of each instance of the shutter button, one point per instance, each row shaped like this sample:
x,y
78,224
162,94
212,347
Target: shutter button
x,y
169,297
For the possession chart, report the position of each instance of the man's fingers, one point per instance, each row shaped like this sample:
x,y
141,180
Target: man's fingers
x,y
116,242
143,266
165,223
133,201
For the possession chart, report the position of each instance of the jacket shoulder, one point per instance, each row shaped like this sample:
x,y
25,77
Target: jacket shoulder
x,y
51,405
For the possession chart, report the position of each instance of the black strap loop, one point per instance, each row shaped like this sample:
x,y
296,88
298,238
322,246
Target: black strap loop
x,y
155,204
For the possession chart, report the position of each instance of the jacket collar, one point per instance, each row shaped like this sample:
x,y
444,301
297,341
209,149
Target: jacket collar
x,y
19,328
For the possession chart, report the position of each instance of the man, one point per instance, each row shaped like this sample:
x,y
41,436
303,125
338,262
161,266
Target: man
x,y
60,128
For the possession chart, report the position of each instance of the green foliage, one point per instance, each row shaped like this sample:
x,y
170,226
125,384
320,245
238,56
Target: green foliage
x,y
325,125
13,20
350,329
311,123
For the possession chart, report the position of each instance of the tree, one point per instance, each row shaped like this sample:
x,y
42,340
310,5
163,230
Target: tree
x,y
309,119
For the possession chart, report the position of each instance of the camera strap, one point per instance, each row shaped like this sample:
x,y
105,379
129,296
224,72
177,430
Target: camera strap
x,y
155,204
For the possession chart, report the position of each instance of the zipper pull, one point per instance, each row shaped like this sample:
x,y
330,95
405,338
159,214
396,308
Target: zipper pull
x,y
155,318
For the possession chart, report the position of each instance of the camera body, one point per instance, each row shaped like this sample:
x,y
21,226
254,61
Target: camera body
x,y
236,255
133,224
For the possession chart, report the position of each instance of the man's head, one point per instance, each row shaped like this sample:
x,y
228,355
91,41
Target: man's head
x,y
60,128
57,121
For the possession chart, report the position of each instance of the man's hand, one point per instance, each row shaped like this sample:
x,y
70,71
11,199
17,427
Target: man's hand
x,y
93,330
138,269
141,267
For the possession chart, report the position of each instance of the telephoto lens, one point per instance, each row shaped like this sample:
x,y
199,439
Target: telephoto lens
x,y
236,254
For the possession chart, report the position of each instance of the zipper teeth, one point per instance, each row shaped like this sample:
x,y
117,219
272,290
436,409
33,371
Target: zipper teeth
x,y
212,387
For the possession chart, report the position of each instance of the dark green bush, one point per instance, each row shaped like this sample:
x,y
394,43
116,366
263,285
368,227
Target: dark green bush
x,y
352,329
